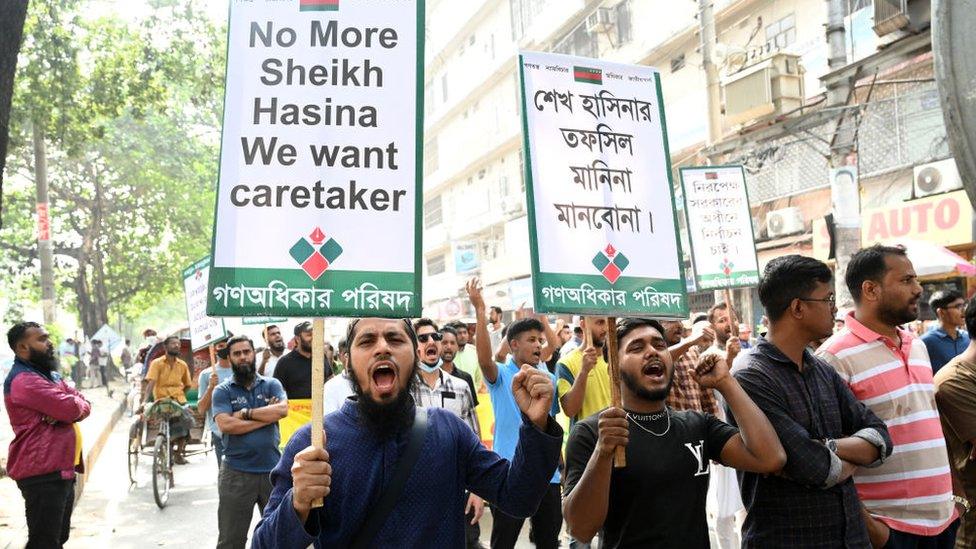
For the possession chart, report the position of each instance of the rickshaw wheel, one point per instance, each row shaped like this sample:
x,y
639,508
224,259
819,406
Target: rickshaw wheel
x,y
161,471
134,450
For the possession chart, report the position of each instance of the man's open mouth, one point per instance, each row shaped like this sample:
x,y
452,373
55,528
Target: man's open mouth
x,y
431,352
653,370
384,376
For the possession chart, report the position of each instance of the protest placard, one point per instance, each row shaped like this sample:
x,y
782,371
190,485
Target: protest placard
x,y
723,247
204,329
319,195
602,227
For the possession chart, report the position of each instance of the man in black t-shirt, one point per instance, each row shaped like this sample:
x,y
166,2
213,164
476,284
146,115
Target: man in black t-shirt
x,y
658,499
294,370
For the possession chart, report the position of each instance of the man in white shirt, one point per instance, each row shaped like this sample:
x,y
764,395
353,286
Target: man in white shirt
x,y
276,348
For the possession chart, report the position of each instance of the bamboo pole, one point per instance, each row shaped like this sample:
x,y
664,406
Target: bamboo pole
x,y
318,386
733,322
613,365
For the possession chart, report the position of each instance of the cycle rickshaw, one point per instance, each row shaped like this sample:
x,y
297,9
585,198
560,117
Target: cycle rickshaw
x,y
149,434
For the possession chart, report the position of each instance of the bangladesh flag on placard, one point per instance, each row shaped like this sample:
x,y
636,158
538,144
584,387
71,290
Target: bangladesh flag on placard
x,y
586,74
318,5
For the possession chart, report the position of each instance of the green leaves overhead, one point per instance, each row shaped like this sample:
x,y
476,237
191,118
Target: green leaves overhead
x,y
130,114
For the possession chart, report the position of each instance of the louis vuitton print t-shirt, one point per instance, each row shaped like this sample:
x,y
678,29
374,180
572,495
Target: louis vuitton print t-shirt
x,y
658,500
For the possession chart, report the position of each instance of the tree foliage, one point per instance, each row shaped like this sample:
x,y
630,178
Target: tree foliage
x,y
130,116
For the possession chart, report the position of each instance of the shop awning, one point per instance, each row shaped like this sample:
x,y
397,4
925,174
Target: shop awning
x,y
933,260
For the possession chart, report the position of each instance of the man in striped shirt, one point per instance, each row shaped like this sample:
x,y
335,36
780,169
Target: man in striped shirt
x,y
888,369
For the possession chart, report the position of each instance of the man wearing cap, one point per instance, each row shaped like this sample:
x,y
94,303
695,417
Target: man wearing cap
x,y
294,370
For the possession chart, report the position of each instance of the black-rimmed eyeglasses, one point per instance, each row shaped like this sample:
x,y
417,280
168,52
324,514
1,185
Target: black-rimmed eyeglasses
x,y
832,300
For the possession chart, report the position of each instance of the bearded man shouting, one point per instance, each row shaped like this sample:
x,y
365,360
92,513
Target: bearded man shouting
x,y
380,426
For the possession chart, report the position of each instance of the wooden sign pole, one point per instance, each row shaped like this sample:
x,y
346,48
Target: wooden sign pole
x,y
318,386
613,364
733,322
213,355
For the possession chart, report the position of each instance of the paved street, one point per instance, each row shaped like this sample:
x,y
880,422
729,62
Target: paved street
x,y
114,514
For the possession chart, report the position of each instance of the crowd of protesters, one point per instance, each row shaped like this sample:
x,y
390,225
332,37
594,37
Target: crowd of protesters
x,y
825,430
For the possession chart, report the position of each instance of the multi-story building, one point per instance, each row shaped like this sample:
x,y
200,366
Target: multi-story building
x,y
474,211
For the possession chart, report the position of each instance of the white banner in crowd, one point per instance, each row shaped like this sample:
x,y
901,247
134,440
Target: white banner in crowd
x,y
320,192
602,226
720,227
204,329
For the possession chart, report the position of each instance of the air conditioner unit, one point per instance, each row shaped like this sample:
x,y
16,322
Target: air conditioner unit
x,y
937,177
773,86
601,20
512,204
784,222
893,15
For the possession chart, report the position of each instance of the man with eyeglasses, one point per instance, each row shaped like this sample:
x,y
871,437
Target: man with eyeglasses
x,y
825,431
438,389
947,340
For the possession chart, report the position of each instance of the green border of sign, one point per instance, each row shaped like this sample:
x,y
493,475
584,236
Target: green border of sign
x,y
417,287
203,261
538,276
691,239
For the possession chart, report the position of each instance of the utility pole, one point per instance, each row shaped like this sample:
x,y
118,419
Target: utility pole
x,y
845,189
45,252
953,42
706,22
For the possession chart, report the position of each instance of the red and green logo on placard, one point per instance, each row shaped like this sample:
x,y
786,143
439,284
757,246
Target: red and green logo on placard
x,y
588,75
727,266
610,263
318,5
315,254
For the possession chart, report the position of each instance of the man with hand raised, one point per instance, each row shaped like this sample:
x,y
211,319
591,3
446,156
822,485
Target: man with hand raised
x,y
658,499
368,441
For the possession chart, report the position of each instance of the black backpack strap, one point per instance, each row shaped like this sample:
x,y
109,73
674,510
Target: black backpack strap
x,y
375,520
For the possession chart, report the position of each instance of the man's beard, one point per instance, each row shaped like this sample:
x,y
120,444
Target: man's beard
x,y
171,352
45,361
646,394
278,347
893,316
244,374
306,347
448,356
384,420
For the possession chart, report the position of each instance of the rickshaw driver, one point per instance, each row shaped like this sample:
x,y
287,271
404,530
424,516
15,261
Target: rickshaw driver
x,y
169,377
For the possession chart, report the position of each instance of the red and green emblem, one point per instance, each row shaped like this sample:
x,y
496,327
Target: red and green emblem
x,y
315,254
588,75
610,263
318,5
727,266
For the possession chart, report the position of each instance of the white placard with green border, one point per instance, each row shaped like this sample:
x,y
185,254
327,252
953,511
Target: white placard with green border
x,y
723,247
602,226
320,192
204,329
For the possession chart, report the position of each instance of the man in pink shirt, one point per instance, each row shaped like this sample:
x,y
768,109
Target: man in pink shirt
x,y
45,453
910,496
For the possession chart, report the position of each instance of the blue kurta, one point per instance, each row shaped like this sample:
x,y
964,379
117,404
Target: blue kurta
x,y
430,511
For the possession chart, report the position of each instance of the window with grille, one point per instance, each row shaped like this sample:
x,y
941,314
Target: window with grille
x,y
430,156
624,25
579,42
781,33
433,215
436,265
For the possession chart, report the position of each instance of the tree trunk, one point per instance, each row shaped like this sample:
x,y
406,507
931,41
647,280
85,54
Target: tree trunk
x,y
86,305
12,16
